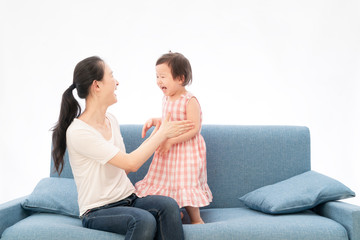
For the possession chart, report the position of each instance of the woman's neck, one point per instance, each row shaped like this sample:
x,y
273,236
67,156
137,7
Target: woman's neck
x,y
94,114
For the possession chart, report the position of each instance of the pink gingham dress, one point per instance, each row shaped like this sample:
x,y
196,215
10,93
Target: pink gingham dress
x,y
181,174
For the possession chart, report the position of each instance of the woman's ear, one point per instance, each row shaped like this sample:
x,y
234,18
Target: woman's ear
x,y
95,86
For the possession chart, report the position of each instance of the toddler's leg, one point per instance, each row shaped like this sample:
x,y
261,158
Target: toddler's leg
x,y
194,213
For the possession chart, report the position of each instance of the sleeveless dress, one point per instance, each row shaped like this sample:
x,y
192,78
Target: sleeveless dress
x,y
181,174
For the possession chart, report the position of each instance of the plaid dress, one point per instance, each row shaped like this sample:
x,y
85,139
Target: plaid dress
x,y
181,174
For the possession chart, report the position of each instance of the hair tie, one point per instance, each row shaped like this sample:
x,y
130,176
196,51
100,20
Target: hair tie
x,y
72,86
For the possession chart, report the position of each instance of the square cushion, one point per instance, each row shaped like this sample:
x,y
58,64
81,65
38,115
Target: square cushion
x,y
296,194
54,195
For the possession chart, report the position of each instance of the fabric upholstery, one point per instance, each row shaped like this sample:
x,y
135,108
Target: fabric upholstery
x,y
47,226
296,194
227,223
11,212
54,195
344,213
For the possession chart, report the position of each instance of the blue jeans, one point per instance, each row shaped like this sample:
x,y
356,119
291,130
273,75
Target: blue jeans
x,y
138,218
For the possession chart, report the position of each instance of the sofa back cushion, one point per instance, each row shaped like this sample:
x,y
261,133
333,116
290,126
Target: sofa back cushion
x,y
240,159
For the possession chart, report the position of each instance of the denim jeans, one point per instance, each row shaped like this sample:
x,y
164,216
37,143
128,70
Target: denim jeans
x,y
151,217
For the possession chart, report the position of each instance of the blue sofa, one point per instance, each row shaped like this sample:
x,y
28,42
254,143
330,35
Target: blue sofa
x,y
247,167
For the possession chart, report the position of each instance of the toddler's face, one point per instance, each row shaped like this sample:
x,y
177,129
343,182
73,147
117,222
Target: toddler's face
x,y
168,85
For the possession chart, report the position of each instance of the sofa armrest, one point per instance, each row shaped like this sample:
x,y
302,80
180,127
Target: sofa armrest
x,y
10,213
344,213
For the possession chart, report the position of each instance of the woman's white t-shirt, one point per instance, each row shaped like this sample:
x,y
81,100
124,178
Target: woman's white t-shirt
x,y
98,182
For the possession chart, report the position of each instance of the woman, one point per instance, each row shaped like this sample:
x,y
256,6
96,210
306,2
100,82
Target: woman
x,y
100,164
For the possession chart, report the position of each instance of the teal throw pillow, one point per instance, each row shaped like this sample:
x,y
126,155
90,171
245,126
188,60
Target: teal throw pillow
x,y
54,195
296,194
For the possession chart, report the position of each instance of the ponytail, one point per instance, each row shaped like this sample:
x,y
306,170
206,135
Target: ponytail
x,y
69,110
85,72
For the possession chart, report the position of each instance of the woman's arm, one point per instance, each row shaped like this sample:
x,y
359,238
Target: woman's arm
x,y
133,161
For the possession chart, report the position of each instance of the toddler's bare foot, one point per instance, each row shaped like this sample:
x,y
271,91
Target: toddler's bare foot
x,y
194,214
199,222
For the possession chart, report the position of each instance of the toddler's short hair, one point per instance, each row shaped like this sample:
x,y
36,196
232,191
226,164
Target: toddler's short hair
x,y
180,66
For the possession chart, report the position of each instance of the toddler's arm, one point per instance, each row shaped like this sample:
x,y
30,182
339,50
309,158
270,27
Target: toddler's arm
x,y
192,114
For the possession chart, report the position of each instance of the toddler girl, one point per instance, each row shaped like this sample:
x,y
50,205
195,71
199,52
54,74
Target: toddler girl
x,y
178,169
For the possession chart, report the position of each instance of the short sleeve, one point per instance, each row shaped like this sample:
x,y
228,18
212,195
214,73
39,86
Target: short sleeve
x,y
91,145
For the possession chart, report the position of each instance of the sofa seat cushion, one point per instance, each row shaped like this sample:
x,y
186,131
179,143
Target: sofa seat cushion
x,y
244,223
224,223
46,226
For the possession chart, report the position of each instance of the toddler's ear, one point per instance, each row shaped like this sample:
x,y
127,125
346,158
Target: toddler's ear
x,y
181,79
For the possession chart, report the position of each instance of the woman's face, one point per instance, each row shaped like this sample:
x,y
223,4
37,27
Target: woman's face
x,y
108,85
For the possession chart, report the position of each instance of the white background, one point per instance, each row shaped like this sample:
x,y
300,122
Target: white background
x,y
259,62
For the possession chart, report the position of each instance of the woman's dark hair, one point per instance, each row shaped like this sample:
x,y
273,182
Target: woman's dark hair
x,y
179,65
85,73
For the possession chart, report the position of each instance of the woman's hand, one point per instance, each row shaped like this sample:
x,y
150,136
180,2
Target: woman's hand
x,y
149,124
164,147
175,128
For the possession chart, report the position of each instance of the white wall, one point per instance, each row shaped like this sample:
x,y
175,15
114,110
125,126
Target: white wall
x,y
254,62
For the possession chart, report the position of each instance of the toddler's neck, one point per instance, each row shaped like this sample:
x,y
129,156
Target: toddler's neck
x,y
176,96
